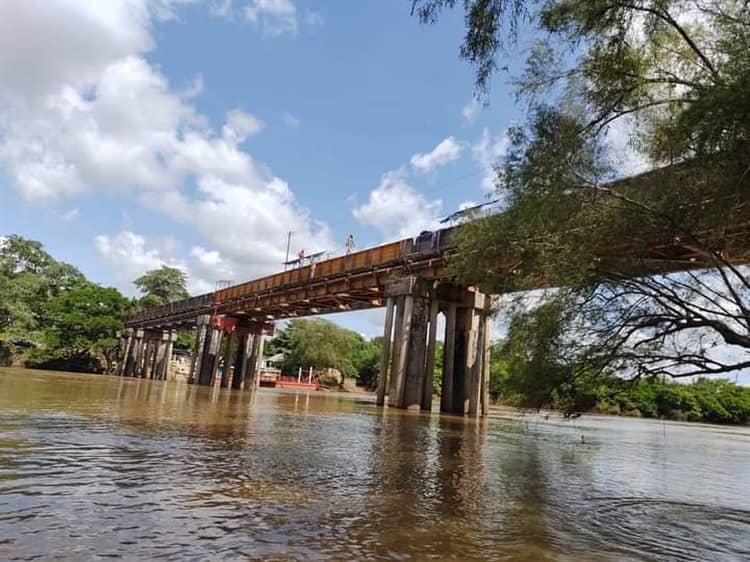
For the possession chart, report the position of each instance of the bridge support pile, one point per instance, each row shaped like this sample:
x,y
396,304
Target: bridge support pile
x,y
409,342
242,352
146,353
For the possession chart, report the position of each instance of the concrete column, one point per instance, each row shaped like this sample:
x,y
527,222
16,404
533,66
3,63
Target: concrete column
x,y
486,362
449,345
139,353
208,358
251,369
219,339
429,365
385,352
227,373
128,365
196,363
474,356
126,352
240,362
153,350
146,368
397,351
170,349
414,374
400,354
460,382
258,362
160,360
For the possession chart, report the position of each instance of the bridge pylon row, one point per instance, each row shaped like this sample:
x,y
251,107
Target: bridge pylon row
x,y
146,353
409,343
242,351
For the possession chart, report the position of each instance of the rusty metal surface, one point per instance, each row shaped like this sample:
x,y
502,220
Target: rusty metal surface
x,y
351,282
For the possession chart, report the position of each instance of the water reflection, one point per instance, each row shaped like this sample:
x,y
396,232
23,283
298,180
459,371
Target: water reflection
x,y
139,469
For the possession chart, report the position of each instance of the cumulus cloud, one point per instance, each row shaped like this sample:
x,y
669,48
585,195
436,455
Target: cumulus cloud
x,y
133,255
470,111
487,152
396,209
83,110
446,151
240,125
279,17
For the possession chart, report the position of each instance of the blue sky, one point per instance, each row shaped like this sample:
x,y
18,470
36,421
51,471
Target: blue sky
x,y
198,133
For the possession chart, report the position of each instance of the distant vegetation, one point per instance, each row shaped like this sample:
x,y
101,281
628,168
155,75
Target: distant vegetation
x,y
321,344
52,317
531,369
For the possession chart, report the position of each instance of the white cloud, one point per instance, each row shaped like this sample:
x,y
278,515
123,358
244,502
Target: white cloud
x,y
240,125
290,120
221,8
397,209
278,17
471,110
83,111
70,215
487,152
133,255
446,151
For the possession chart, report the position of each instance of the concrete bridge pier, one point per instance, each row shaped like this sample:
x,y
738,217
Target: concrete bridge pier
x,y
242,351
200,341
466,361
255,355
129,354
163,344
409,342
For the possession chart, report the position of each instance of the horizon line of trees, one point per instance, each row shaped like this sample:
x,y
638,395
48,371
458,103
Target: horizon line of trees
x,y
52,317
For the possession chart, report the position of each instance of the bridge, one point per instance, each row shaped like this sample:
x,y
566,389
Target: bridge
x,y
408,278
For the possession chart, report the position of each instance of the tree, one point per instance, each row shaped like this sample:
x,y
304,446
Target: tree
x,y
319,344
673,75
80,327
162,286
29,277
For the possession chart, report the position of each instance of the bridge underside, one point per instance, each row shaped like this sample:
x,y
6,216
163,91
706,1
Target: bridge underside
x,y
233,336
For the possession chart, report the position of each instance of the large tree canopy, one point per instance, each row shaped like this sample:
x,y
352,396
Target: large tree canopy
x,y
670,78
162,286
59,319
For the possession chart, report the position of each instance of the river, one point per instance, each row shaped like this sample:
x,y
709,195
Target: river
x,y
102,467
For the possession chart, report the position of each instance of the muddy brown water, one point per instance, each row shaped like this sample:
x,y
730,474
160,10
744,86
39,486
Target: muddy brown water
x,y
101,467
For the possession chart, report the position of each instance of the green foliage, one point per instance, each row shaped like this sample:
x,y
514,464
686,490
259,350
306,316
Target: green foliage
x,y
672,78
29,277
366,361
319,344
322,344
80,325
528,368
528,371
50,303
162,286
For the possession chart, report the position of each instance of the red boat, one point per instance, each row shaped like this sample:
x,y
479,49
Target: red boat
x,y
273,379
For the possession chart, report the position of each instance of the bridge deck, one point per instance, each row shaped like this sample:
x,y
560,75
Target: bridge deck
x,y
351,282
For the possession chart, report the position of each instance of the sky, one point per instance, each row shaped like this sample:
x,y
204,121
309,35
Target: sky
x,y
197,134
